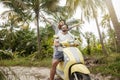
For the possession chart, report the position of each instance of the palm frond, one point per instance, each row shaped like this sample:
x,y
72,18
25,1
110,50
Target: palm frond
x,y
50,5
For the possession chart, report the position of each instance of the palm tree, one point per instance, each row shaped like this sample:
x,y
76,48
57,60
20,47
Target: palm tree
x,y
88,37
10,25
106,24
27,9
101,38
89,9
114,21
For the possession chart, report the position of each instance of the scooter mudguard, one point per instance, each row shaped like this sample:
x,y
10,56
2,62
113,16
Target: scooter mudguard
x,y
80,68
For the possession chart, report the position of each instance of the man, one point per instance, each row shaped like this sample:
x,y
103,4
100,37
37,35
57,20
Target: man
x,y
58,54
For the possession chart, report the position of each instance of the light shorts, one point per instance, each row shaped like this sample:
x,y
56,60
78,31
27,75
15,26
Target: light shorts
x,y
58,55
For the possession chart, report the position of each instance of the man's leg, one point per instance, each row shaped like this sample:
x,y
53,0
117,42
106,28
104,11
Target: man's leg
x,y
53,69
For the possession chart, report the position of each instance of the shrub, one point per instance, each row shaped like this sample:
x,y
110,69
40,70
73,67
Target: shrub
x,y
6,55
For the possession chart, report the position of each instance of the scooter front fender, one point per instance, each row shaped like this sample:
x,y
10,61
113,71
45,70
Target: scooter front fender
x,y
80,68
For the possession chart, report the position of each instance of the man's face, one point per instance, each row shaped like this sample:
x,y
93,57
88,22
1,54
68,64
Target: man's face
x,y
64,28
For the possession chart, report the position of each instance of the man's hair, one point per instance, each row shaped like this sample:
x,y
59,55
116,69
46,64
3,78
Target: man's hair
x,y
66,25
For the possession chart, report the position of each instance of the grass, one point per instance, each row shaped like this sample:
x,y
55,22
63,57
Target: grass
x,y
109,65
26,62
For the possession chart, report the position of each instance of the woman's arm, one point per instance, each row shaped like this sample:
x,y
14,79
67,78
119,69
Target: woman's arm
x,y
45,19
53,25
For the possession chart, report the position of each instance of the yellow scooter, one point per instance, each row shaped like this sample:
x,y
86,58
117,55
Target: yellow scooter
x,y
73,67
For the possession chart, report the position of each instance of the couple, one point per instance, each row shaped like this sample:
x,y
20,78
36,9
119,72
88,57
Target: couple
x,y
62,31
63,35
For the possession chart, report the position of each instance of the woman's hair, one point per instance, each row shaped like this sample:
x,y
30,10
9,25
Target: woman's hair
x,y
59,26
62,20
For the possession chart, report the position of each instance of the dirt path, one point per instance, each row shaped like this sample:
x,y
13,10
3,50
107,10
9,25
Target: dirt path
x,y
25,73
37,73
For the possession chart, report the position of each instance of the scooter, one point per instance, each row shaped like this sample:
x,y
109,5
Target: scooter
x,y
73,66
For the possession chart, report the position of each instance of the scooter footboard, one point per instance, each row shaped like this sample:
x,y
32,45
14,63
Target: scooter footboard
x,y
80,68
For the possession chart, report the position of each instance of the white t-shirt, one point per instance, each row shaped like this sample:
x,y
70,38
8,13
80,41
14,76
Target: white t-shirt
x,y
63,37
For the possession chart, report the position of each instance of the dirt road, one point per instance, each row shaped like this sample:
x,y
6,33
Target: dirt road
x,y
36,73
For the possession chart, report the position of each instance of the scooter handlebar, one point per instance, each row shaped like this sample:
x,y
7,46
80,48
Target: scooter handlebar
x,y
69,44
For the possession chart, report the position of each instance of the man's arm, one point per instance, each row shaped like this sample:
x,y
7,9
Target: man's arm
x,y
56,42
75,25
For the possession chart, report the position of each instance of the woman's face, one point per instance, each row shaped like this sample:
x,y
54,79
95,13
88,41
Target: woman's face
x,y
61,23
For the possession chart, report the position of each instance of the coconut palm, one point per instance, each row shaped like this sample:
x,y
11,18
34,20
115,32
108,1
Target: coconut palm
x,y
89,10
9,26
106,20
114,21
87,37
29,9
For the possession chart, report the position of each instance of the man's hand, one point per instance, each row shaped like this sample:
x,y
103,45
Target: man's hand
x,y
56,42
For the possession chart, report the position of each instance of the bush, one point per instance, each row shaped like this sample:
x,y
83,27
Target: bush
x,y
6,55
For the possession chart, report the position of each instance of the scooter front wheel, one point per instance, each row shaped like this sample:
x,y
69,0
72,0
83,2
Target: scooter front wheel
x,y
79,76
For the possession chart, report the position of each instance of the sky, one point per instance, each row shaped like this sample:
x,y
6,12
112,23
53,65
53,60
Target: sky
x,y
91,27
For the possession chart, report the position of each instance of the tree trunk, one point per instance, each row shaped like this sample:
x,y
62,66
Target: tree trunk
x,y
114,21
114,39
88,46
38,30
38,33
99,32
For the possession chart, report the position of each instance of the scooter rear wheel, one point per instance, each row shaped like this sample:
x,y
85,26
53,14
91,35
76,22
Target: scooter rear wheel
x,y
79,76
